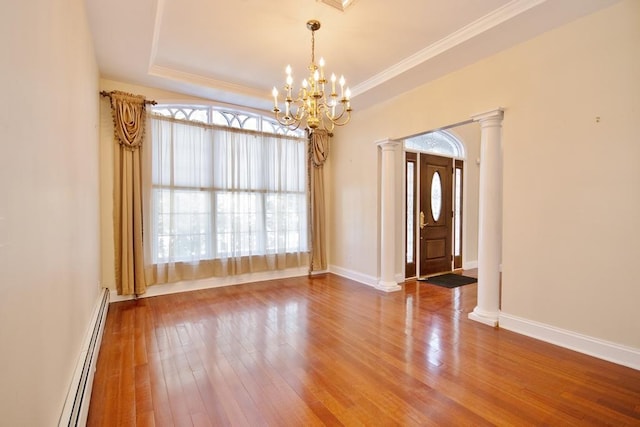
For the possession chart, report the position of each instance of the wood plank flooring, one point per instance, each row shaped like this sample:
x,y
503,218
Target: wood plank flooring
x,y
329,351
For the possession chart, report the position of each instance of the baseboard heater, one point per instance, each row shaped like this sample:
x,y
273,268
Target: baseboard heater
x,y
76,406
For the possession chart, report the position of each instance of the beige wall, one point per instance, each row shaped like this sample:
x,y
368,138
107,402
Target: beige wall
x,y
571,212
49,230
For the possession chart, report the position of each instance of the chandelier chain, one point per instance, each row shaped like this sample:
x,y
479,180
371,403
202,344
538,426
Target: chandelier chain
x,y
313,47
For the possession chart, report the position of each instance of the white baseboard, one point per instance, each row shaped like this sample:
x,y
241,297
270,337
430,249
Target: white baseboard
x,y
365,279
319,272
214,282
469,265
354,275
612,352
76,405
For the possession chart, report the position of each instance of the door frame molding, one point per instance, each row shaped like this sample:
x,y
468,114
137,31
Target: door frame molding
x,y
457,162
490,228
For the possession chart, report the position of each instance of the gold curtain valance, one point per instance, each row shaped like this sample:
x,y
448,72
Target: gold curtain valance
x,y
318,154
128,112
319,147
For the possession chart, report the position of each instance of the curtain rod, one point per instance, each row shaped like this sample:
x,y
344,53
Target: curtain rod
x,y
108,95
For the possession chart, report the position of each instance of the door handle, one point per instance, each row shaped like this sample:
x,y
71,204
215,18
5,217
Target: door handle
x,y
423,223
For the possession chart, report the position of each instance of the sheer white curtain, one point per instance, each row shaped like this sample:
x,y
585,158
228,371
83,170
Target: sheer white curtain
x,y
223,201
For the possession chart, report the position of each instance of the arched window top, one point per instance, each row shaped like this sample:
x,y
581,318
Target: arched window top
x,y
225,117
439,142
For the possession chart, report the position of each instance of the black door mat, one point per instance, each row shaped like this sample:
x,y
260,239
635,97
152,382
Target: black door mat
x,y
449,280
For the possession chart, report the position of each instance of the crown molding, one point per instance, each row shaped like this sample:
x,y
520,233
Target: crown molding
x,y
200,80
156,33
474,29
185,76
341,5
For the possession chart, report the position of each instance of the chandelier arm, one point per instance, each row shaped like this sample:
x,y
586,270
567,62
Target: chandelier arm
x,y
330,128
347,120
293,121
289,125
299,114
339,116
282,120
337,121
296,127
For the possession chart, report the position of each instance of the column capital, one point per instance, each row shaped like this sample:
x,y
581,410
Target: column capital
x,y
387,144
489,117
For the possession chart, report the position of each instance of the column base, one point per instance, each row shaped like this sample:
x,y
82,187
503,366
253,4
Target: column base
x,y
388,286
488,318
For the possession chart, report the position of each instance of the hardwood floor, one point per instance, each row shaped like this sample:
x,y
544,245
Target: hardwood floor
x,y
328,351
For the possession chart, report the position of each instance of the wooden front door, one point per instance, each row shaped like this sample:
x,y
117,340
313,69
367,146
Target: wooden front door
x,y
435,214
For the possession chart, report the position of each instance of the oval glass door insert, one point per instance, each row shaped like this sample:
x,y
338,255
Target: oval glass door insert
x,y
436,196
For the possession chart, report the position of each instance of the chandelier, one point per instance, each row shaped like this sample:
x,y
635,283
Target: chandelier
x,y
312,105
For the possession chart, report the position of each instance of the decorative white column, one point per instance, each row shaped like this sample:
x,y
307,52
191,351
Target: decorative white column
x,y
387,281
487,309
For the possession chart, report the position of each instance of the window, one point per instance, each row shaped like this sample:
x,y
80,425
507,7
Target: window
x,y
226,117
225,192
457,213
411,179
440,143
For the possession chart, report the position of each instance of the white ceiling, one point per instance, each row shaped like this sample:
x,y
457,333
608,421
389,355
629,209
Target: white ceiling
x,y
235,51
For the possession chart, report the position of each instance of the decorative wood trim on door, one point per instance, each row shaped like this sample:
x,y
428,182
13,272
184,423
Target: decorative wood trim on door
x,y
435,214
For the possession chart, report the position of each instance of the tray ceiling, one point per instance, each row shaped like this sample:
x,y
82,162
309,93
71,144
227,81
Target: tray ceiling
x,y
236,51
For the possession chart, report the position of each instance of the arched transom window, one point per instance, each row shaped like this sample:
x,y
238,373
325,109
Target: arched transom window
x,y
440,142
226,117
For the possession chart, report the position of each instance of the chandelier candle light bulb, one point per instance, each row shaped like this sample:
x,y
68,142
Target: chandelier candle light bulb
x,y
313,108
